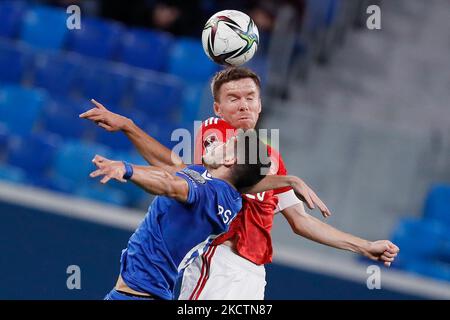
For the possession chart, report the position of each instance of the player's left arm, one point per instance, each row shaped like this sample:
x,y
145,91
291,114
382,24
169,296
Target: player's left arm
x,y
312,228
154,180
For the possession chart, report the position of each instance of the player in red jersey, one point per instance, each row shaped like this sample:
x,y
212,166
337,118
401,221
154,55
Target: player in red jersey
x,y
234,267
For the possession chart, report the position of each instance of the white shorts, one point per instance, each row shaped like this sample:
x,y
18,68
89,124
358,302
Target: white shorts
x,y
221,274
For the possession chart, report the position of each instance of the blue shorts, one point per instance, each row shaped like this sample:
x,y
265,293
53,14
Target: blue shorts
x,y
118,295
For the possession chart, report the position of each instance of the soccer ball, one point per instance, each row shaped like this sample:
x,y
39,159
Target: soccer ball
x,y
230,38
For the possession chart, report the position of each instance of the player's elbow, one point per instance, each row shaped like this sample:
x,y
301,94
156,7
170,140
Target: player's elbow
x,y
299,223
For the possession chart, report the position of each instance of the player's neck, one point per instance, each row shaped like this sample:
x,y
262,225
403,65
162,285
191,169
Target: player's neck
x,y
222,173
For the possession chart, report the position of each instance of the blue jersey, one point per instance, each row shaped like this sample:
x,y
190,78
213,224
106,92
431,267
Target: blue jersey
x,y
174,233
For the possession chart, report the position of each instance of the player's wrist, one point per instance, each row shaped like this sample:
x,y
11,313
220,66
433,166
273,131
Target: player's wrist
x,y
293,181
364,247
127,124
128,170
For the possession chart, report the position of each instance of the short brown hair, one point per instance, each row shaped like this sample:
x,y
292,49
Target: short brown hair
x,y
232,74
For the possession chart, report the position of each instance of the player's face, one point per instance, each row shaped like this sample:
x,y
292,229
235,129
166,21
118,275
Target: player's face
x,y
221,153
239,103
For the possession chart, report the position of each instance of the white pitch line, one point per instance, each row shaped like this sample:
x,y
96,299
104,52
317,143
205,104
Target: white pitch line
x,y
69,206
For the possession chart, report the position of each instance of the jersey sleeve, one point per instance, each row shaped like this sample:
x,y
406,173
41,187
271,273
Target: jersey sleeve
x,y
195,185
286,196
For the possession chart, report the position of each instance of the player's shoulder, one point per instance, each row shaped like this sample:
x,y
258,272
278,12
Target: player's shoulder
x,y
211,121
216,123
197,174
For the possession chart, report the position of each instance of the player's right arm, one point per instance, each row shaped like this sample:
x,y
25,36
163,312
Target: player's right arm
x,y
151,150
154,180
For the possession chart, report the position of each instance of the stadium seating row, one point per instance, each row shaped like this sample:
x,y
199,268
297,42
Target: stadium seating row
x,y
425,242
46,28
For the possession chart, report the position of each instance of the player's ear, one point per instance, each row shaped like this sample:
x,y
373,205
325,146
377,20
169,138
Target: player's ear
x,y
217,109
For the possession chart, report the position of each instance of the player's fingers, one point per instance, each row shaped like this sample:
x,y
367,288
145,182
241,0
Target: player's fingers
x,y
89,113
104,126
96,173
98,160
387,264
318,202
96,118
98,105
322,207
388,259
309,201
105,179
389,255
393,248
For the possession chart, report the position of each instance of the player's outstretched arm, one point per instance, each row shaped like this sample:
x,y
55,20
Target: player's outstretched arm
x,y
301,189
312,228
151,150
154,180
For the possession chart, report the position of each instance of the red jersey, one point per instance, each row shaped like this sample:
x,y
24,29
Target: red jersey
x,y
251,227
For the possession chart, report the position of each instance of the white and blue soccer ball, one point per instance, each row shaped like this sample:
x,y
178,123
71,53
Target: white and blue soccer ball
x,y
230,37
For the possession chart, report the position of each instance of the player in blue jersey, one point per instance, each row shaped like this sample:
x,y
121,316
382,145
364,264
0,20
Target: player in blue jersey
x,y
192,208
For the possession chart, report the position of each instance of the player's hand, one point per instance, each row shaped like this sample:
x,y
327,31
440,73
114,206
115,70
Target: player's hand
x,y
104,118
308,196
108,169
382,250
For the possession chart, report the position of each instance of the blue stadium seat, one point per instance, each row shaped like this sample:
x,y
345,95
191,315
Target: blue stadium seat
x,y
20,108
61,116
73,162
45,27
189,62
162,131
437,203
14,61
106,83
146,49
433,269
12,174
4,140
33,153
97,38
320,13
157,95
116,140
11,13
420,239
56,73
192,101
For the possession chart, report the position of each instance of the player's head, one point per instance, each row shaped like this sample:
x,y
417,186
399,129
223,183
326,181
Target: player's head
x,y
236,92
243,156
